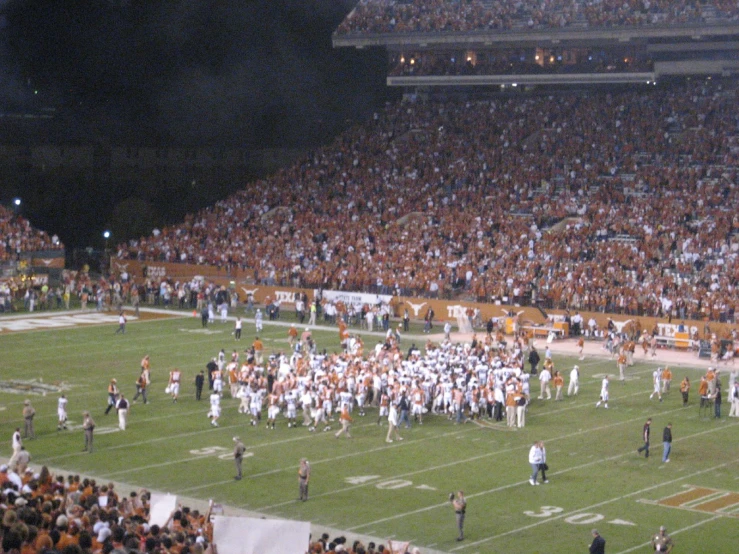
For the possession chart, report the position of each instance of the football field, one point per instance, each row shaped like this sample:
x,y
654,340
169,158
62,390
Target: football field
x,y
363,485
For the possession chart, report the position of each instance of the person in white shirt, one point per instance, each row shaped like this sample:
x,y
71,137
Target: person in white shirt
x,y
122,408
16,443
61,412
544,378
215,408
574,385
657,380
392,424
291,402
734,400
307,401
258,320
448,330
175,376
237,329
603,393
536,458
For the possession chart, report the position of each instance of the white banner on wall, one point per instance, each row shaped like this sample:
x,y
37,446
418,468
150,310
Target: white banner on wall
x,y
357,299
161,507
246,535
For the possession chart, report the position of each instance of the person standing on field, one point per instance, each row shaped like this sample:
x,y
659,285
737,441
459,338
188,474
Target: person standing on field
x,y
603,393
598,546
112,395
460,509
303,479
346,420
16,444
574,386
28,414
122,408
662,542
239,450
121,324
685,390
88,425
392,424
61,412
175,377
645,437
536,458
667,443
199,383
237,328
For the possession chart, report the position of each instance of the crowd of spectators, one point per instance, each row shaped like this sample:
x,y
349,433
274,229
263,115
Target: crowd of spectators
x,y
42,513
611,201
414,16
18,236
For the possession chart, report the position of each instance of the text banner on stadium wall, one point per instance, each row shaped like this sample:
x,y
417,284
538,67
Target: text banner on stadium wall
x,y
417,307
246,535
357,299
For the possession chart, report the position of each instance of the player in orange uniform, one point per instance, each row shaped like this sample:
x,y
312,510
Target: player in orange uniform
x,y
346,420
559,383
685,390
621,362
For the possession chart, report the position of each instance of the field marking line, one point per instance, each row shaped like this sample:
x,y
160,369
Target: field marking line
x,y
209,429
112,324
511,485
677,532
596,505
464,461
290,468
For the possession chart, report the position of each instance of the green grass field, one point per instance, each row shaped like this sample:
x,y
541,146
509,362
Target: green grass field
x,y
400,490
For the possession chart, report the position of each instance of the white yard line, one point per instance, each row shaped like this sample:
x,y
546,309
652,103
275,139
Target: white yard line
x,y
328,460
457,462
592,506
676,532
511,485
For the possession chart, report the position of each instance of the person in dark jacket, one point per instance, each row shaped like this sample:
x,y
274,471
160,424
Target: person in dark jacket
x,y
667,443
598,546
534,360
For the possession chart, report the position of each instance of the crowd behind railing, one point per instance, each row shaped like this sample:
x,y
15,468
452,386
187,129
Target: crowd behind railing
x,y
18,236
425,16
436,198
44,513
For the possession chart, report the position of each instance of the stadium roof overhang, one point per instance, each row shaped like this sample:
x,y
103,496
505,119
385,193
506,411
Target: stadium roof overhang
x,y
569,37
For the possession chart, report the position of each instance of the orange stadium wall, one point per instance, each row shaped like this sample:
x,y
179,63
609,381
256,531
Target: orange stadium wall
x,y
665,328
417,307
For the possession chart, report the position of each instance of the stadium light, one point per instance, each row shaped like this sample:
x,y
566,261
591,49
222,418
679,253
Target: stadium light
x,y
106,235
17,202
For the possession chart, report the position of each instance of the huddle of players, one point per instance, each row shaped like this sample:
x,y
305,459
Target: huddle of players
x,y
448,379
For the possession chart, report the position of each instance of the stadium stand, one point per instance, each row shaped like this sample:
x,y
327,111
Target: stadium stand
x,y
413,16
613,201
18,236
42,512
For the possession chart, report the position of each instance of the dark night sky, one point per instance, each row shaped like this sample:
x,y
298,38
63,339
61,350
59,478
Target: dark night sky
x,y
247,73
259,72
